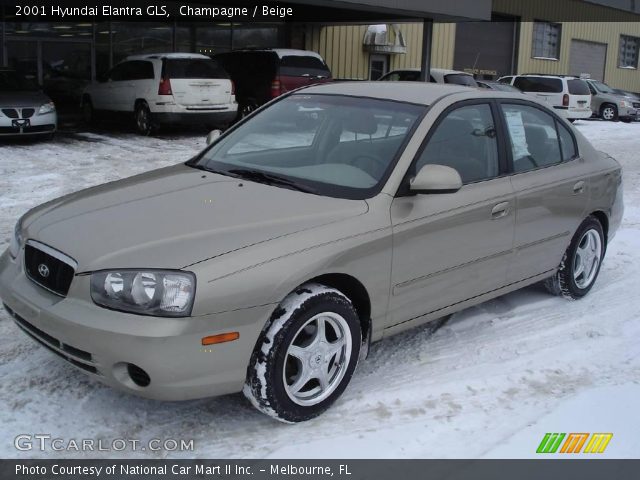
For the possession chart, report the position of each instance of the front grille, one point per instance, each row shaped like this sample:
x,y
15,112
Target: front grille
x,y
636,104
10,112
28,112
73,355
46,267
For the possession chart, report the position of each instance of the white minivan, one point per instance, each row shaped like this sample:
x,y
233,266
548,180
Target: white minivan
x,y
164,89
569,96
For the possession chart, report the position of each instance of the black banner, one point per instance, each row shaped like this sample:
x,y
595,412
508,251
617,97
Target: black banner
x,y
543,469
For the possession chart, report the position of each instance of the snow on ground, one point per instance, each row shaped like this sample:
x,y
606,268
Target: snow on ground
x,y
490,383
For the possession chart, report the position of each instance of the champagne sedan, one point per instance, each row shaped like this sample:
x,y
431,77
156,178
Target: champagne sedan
x,y
332,217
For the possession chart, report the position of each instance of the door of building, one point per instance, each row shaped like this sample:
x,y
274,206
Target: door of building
x,y
378,66
486,49
587,57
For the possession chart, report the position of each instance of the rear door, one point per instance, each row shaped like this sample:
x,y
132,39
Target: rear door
x,y
550,182
546,89
579,96
297,71
197,83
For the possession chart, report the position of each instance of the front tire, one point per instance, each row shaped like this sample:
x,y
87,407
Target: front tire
x,y
609,112
581,262
306,357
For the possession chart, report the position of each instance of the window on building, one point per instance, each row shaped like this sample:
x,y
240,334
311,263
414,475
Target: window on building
x,y
628,51
546,40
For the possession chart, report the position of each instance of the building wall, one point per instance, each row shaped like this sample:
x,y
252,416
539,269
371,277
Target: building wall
x,y
341,46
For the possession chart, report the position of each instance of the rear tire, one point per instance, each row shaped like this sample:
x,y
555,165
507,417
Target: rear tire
x,y
581,262
306,357
143,120
88,114
609,112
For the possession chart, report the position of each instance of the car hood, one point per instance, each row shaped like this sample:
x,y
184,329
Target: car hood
x,y
175,217
22,99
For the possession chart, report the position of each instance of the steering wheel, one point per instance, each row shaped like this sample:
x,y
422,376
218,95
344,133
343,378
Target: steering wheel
x,y
363,161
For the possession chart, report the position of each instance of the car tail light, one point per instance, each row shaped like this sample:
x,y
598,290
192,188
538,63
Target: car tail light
x,y
165,87
276,88
233,88
565,100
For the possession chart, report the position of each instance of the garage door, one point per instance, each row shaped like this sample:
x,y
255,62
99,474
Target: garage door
x,y
486,48
587,57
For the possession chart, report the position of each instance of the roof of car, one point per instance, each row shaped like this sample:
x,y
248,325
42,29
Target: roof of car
x,y
282,52
151,56
414,92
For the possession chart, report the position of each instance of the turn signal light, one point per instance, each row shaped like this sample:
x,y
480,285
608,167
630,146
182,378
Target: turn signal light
x,y
165,87
221,338
276,88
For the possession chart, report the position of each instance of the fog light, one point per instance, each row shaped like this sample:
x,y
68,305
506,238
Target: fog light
x,y
138,375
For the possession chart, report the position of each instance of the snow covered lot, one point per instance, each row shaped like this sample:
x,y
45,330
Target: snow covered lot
x,y
490,383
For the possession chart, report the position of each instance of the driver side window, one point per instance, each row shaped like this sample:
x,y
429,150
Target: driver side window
x,y
465,140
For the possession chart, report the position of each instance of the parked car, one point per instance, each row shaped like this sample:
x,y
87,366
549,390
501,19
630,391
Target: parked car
x,y
503,87
608,104
164,89
336,216
570,96
261,75
24,109
437,75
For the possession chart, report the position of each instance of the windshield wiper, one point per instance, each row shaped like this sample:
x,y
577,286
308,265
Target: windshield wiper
x,y
210,170
269,179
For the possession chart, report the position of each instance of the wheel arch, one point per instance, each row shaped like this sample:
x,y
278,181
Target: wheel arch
x,y
604,221
355,291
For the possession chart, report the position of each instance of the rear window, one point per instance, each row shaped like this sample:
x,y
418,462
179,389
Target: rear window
x,y
299,65
460,79
578,87
193,68
539,84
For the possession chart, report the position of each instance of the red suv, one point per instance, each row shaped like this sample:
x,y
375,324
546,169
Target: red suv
x,y
261,75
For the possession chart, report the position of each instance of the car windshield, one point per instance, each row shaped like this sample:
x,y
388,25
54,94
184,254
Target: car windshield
x,y
11,81
460,79
604,88
331,145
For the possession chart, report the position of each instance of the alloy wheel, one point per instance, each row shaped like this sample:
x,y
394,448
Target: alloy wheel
x,y
587,259
317,359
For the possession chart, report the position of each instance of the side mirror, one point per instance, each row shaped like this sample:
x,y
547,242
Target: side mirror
x,y
436,179
213,136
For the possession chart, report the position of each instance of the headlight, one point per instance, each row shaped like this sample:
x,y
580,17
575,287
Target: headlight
x,y
46,108
625,104
146,292
15,244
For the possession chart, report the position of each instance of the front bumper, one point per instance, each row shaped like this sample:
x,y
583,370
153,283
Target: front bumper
x,y
37,125
627,113
102,343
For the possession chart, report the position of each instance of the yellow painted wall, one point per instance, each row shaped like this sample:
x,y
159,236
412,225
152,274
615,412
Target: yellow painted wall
x,y
341,46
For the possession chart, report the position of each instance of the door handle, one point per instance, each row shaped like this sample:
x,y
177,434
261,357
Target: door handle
x,y
500,210
578,188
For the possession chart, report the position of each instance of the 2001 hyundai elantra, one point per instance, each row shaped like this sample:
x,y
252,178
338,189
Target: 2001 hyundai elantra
x,y
333,217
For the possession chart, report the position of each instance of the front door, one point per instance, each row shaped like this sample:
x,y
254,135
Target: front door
x,y
450,247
